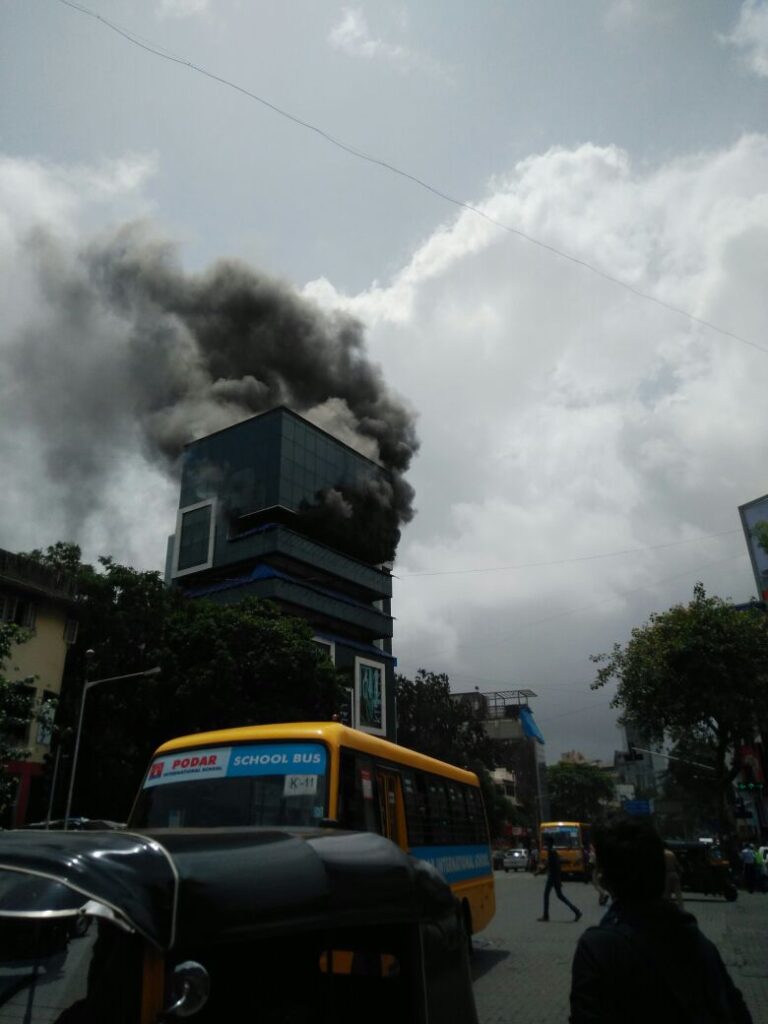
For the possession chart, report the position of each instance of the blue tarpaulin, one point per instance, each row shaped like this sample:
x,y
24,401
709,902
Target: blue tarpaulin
x,y
529,725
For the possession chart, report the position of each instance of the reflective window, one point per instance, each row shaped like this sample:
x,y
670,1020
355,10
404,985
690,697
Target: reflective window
x,y
195,537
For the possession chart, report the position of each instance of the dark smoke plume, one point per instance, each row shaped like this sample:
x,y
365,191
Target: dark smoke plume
x,y
125,348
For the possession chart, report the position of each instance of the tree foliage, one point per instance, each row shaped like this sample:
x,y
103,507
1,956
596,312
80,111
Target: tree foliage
x,y
221,666
688,783
578,792
697,672
16,712
431,721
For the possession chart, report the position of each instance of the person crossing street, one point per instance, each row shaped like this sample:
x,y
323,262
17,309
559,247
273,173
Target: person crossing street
x,y
555,881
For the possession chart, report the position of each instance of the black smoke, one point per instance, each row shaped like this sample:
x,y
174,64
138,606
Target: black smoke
x,y
125,349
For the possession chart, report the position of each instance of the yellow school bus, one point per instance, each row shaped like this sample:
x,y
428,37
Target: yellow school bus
x,y
324,774
571,840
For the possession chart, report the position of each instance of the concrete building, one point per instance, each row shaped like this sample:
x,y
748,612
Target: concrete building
x,y
278,509
508,720
38,599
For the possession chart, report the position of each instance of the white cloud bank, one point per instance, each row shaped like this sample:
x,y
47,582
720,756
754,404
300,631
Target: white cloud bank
x,y
182,8
352,36
751,36
561,417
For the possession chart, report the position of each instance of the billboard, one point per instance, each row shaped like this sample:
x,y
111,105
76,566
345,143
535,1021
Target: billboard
x,y
752,514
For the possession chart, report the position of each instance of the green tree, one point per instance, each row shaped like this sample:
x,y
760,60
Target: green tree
x,y
431,721
698,673
16,712
578,792
221,666
688,783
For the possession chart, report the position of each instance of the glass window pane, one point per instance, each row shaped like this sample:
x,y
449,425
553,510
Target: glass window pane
x,y
195,534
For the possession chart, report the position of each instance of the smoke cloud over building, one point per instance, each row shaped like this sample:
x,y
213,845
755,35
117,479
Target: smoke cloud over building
x,y
120,348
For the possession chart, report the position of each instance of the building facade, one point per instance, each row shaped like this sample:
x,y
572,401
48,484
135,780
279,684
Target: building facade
x,y
518,744
278,509
42,602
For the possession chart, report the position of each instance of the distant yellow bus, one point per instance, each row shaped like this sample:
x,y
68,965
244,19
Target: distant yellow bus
x,y
311,774
571,840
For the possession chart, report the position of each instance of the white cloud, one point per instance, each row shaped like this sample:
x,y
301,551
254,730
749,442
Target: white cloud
x,y
352,36
620,15
562,416
751,36
182,8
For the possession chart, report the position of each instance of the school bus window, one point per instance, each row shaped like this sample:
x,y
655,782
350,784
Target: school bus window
x,y
459,821
414,811
438,801
357,804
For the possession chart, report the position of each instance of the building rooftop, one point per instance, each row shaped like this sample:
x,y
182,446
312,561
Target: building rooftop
x,y
27,574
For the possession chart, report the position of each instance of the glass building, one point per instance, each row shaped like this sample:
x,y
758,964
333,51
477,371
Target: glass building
x,y
278,509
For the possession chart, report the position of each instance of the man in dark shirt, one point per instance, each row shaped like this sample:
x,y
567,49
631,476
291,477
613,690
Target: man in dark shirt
x,y
647,960
554,881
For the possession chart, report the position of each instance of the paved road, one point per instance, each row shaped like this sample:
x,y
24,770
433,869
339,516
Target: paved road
x,y
522,968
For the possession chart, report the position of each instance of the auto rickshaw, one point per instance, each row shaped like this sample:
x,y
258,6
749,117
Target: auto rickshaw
x,y
703,869
219,925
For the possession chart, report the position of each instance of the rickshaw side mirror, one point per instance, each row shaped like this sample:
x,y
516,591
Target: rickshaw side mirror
x,y
191,987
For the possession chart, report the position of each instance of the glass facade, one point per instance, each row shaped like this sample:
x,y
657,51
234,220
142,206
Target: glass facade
x,y
311,462
194,538
273,459
280,462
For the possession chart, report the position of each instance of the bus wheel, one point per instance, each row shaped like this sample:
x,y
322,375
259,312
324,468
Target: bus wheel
x,y
466,914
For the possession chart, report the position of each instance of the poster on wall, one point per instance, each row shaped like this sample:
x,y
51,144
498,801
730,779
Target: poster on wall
x,y
754,519
370,697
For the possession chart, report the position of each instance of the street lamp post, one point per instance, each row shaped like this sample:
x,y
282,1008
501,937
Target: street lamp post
x,y
89,684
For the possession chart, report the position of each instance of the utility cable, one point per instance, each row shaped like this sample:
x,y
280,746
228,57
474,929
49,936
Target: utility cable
x,y
564,561
420,182
577,611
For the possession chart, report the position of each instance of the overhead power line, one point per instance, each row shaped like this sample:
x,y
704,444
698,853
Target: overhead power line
x,y
164,54
565,561
577,610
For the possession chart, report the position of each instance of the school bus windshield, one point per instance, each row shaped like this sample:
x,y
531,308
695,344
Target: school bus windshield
x,y
273,784
564,837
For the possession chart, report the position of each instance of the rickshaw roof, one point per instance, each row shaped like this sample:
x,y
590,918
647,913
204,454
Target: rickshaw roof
x,y
180,886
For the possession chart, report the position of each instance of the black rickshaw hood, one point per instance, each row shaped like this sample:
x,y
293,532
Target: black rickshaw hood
x,y
212,885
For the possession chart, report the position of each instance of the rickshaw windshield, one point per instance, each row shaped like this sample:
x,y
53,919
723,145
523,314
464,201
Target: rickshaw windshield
x,y
270,784
59,962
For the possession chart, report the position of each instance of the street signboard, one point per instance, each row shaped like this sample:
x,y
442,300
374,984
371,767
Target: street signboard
x,y
638,806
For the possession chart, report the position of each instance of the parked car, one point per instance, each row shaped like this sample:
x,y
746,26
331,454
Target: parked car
x,y
515,860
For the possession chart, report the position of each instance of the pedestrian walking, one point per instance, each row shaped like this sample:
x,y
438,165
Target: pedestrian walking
x,y
748,866
533,859
594,875
555,881
646,961
673,889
